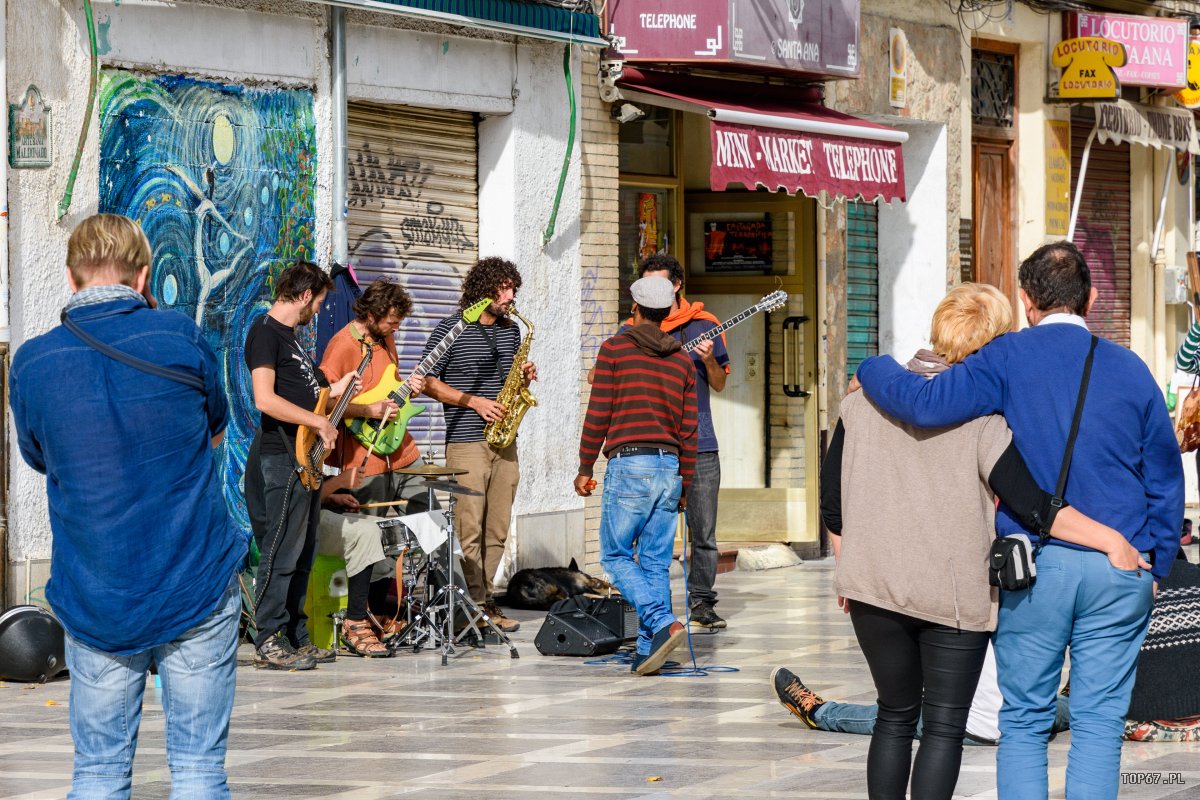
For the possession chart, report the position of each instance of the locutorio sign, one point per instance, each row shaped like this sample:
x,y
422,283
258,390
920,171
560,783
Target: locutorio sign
x,y
1156,47
1088,68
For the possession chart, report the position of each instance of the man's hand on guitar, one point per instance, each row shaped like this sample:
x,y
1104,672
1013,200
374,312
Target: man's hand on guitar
x,y
328,433
416,383
378,409
490,410
344,384
704,350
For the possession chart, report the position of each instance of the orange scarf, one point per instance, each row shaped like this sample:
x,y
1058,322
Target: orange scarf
x,y
687,312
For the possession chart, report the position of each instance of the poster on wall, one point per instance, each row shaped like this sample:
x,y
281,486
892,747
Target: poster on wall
x,y
898,67
647,211
1058,177
29,132
743,246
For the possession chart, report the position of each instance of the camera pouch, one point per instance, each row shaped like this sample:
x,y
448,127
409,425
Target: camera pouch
x,y
1010,562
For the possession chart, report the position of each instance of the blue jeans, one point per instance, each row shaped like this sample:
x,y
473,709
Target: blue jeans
x,y
197,673
859,718
1079,600
638,510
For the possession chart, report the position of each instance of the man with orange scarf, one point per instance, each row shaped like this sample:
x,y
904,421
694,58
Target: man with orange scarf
x,y
685,322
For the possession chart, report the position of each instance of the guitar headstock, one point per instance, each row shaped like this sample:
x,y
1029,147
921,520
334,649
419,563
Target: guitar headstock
x,y
774,300
473,313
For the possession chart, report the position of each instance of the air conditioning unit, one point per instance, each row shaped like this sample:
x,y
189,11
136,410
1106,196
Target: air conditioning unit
x,y
1175,286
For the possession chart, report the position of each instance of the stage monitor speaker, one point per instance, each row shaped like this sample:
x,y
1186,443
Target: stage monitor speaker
x,y
32,646
571,629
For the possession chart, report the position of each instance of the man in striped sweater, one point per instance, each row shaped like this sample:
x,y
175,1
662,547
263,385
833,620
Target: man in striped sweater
x,y
642,413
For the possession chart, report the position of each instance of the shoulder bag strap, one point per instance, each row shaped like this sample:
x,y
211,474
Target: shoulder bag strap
x,y
1057,500
132,361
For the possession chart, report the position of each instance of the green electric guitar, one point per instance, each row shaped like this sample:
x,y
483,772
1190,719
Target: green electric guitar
x,y
387,440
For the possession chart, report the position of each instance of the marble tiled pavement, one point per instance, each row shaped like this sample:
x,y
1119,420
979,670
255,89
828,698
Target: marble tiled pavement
x,y
487,726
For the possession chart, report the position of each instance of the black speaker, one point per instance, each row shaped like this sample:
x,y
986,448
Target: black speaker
x,y
31,645
571,629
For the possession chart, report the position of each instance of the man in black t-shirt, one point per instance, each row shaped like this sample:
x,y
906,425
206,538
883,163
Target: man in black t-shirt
x,y
283,514
466,381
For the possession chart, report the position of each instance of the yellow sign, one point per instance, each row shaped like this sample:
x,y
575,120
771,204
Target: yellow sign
x,y
1087,64
898,67
1189,96
1058,177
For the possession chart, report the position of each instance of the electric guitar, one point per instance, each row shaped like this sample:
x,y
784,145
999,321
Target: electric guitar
x,y
769,303
310,450
387,440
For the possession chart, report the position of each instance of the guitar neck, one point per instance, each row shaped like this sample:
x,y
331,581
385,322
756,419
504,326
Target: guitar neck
x,y
316,453
724,326
402,392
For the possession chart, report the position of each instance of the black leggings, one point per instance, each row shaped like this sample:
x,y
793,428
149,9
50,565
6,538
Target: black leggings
x,y
921,669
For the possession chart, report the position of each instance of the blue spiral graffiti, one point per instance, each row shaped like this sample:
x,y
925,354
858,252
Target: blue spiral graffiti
x,y
222,180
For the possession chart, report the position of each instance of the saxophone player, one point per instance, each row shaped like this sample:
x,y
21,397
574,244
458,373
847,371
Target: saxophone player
x,y
465,381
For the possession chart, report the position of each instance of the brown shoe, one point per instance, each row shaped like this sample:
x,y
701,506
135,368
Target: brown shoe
x,y
499,620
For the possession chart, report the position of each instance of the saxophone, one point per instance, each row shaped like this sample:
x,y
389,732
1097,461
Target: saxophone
x,y
515,396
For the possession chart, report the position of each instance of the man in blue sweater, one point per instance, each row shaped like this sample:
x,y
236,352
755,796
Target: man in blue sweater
x,y
145,554
1126,472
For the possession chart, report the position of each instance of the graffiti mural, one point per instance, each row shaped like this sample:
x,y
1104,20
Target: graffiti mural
x,y
222,179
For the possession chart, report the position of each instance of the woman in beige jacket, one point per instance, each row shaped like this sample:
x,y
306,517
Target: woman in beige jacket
x,y
917,509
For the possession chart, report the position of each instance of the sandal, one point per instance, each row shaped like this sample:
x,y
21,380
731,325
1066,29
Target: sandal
x,y
360,640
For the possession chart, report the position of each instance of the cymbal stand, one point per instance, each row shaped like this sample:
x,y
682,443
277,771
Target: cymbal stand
x,y
458,605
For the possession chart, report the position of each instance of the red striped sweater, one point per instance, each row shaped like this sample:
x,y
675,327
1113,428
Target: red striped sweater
x,y
643,394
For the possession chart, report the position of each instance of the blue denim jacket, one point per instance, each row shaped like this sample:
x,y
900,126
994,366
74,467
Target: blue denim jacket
x,y
143,545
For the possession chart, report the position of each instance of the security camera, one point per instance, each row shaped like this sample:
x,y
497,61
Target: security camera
x,y
627,112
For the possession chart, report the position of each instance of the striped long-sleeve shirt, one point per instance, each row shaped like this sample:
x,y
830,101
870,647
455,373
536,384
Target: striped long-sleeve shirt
x,y
643,394
1186,359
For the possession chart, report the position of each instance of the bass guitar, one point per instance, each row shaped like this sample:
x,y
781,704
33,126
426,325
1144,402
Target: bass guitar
x,y
387,439
769,303
310,450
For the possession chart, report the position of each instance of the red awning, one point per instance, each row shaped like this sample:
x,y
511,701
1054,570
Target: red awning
x,y
779,140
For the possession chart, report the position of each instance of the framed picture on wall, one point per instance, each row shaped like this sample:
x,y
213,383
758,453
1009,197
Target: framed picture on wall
x,y
730,243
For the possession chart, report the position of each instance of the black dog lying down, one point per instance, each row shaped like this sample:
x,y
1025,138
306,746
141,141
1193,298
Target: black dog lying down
x,y
538,589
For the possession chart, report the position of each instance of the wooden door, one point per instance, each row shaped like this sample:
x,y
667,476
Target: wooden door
x,y
994,233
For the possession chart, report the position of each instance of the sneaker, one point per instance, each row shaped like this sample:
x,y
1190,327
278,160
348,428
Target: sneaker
x,y
703,616
665,640
498,619
795,696
318,654
278,653
638,658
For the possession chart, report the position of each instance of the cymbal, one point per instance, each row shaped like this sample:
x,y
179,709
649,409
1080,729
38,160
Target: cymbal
x,y
454,487
432,471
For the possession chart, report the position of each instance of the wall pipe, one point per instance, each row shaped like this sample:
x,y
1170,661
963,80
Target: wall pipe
x,y
1168,172
5,331
337,47
1083,165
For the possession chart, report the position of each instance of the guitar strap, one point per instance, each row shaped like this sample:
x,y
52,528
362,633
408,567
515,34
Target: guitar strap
x,y
187,379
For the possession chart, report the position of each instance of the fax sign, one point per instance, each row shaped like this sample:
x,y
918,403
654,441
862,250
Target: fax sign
x,y
29,131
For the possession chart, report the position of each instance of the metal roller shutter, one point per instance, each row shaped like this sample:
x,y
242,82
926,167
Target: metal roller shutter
x,y
413,216
862,283
1103,230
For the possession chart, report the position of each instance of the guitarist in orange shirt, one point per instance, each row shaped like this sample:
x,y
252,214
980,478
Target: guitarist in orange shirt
x,y
379,312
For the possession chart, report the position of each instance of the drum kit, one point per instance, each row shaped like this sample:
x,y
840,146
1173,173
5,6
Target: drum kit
x,y
435,609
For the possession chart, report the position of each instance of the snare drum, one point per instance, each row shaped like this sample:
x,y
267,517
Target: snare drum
x,y
397,538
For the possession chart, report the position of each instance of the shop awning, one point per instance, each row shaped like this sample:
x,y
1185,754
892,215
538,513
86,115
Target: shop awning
x,y
763,137
518,17
1160,127
1153,126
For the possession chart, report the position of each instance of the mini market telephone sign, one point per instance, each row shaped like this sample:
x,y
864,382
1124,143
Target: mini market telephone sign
x,y
1089,66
